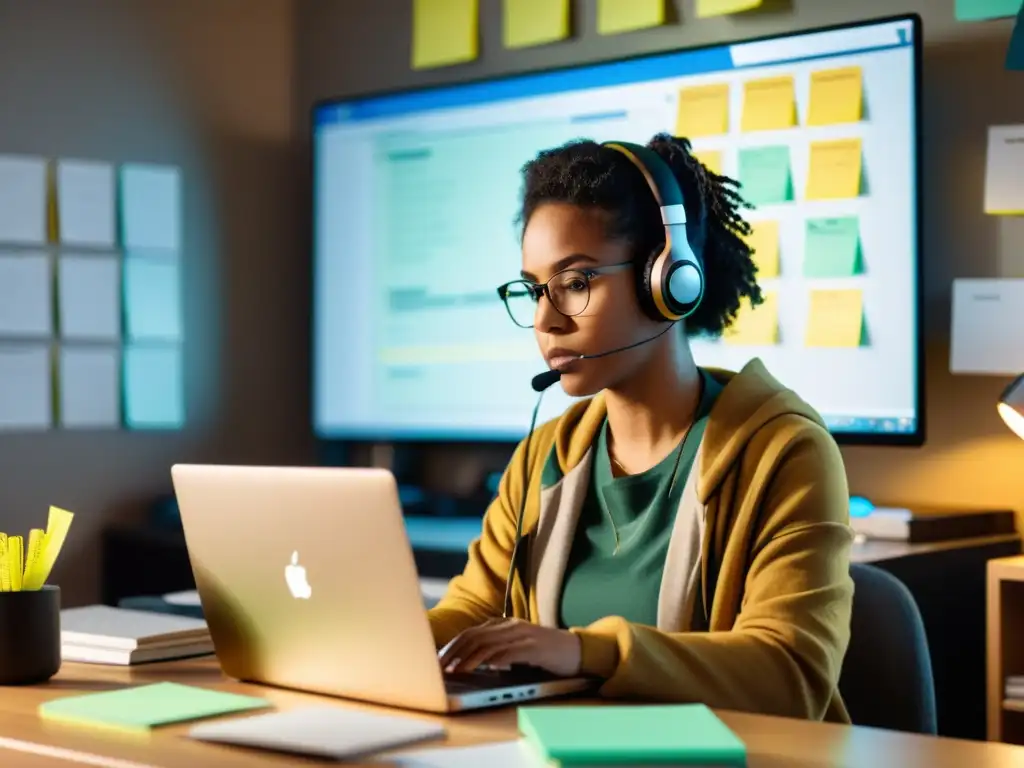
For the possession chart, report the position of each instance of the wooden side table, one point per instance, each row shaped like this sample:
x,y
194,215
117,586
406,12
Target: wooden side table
x,y
1005,646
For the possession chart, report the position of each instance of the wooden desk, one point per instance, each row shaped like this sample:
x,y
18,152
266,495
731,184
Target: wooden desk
x,y
772,742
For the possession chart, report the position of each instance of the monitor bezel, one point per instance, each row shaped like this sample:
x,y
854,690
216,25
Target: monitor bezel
x,y
916,438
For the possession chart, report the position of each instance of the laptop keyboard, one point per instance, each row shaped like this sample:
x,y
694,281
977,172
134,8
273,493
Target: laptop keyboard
x,y
484,679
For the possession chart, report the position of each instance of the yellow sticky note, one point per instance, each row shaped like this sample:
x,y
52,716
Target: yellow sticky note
x,y
764,240
769,104
708,8
837,96
445,32
711,159
835,169
755,326
535,22
617,16
703,111
835,318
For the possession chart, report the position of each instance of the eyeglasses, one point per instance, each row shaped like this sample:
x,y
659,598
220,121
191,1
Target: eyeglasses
x,y
568,291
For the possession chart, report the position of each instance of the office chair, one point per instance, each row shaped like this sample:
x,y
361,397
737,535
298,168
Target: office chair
x,y
886,680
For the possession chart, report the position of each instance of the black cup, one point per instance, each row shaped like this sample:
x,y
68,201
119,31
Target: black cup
x,y
29,636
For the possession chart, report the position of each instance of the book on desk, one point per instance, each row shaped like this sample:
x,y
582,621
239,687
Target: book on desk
x,y
102,634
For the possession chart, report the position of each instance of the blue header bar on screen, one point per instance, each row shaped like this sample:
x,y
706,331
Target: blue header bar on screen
x,y
780,50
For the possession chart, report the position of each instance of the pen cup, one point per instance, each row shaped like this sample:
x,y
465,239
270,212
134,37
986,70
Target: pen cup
x,y
29,636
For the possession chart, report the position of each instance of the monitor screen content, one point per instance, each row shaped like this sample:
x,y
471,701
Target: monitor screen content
x,y
415,204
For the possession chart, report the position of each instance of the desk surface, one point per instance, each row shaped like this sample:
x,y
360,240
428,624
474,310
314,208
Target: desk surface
x,y
771,741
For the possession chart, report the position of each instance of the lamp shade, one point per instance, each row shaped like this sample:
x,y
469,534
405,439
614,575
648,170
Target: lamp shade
x,y
1011,406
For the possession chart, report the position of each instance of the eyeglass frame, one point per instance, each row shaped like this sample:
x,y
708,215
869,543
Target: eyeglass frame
x,y
538,290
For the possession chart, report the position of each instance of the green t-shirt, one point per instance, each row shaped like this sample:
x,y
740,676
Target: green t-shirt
x,y
599,582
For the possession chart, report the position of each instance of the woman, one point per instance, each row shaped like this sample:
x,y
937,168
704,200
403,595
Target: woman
x,y
685,530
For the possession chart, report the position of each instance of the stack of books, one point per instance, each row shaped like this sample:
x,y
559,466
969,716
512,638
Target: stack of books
x,y
1014,688
663,735
101,634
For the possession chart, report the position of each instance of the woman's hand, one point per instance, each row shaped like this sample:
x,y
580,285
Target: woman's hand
x,y
503,642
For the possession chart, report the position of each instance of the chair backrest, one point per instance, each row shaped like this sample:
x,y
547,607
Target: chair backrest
x,y
886,681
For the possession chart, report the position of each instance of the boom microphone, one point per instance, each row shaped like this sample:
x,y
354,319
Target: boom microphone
x,y
544,380
540,384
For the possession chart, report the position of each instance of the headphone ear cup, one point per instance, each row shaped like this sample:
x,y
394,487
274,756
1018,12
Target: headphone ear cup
x,y
645,290
685,286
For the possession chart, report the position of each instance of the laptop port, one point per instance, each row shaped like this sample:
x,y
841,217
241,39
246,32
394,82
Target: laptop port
x,y
507,696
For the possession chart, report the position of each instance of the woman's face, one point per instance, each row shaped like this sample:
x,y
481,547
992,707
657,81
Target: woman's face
x,y
560,237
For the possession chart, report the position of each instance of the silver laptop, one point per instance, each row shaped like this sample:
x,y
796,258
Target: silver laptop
x,y
307,581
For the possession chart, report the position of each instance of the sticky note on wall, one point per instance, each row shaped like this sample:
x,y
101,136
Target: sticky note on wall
x,y
769,104
1004,168
755,325
979,10
835,169
445,32
764,240
703,111
708,8
765,175
837,96
711,159
535,22
835,318
617,16
832,247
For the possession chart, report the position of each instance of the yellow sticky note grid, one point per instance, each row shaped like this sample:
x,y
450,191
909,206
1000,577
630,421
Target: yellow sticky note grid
x,y
535,22
711,159
755,326
445,32
708,8
769,104
25,567
837,96
835,169
703,111
764,240
835,318
617,16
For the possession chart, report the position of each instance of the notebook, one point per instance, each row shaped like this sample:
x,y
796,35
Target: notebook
x,y
678,734
334,733
146,706
106,635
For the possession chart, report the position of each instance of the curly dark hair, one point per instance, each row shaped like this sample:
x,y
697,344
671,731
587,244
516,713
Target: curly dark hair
x,y
587,174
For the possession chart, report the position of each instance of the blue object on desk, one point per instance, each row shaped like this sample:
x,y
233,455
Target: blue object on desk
x,y
860,507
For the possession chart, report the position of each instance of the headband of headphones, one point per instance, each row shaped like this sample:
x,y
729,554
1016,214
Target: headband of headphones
x,y
674,277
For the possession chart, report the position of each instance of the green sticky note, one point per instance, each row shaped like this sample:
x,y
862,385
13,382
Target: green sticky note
x,y
147,706
679,734
535,22
765,175
444,32
832,247
980,10
617,16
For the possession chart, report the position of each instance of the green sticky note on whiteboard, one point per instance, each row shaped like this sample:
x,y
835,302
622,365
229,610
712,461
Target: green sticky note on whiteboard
x,y
147,706
979,10
617,16
765,175
832,247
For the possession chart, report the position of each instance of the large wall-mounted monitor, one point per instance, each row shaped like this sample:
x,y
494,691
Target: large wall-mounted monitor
x,y
415,197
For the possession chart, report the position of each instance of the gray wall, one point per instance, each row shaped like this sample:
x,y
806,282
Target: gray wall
x,y
206,85
970,458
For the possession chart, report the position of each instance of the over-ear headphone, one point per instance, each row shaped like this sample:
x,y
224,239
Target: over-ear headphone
x,y
671,283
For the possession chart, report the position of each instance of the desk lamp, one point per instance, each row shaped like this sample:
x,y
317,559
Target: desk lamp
x,y
1011,406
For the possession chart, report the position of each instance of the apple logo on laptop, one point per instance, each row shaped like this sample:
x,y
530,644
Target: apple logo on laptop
x,y
295,578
